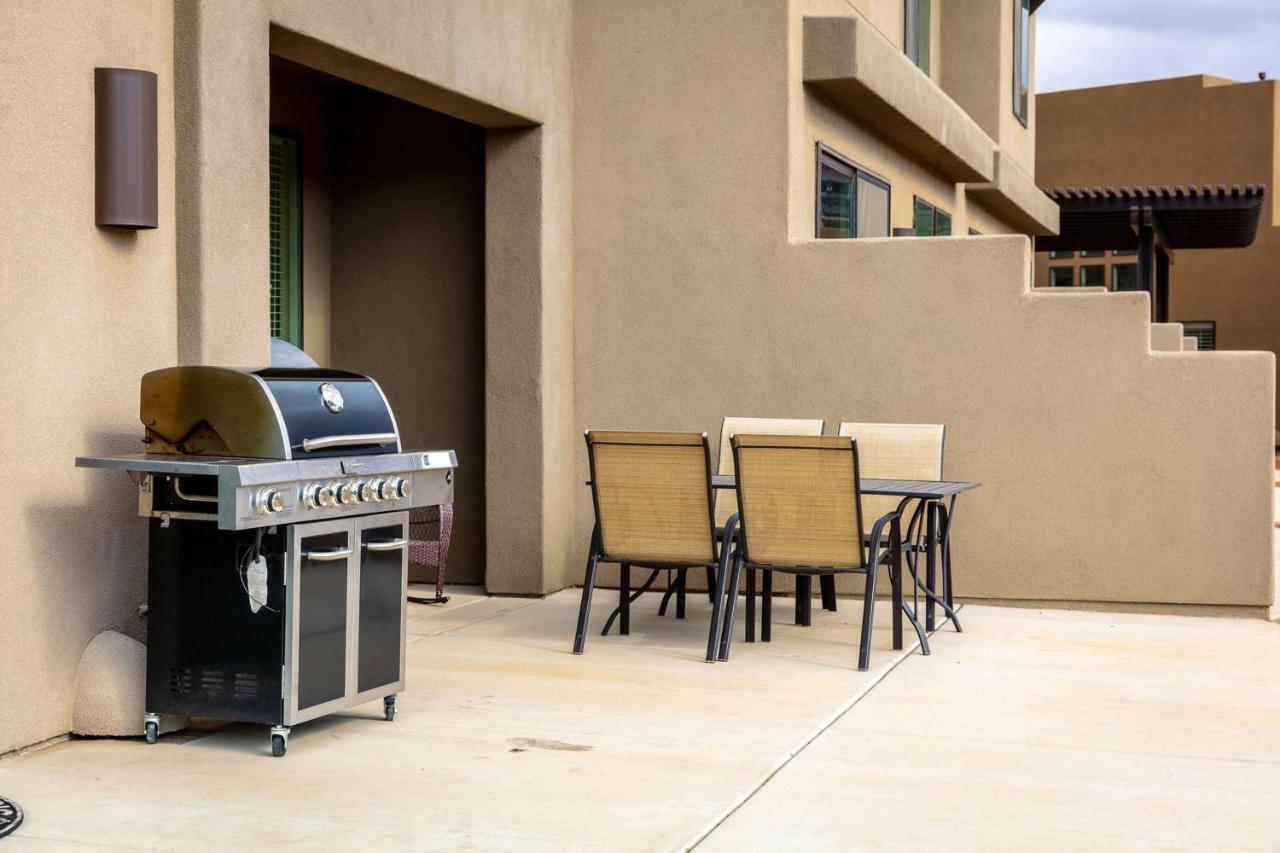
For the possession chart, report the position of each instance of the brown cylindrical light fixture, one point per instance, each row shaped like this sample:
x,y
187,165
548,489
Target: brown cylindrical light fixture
x,y
125,147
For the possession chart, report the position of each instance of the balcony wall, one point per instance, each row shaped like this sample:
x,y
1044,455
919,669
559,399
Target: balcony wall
x,y
1110,472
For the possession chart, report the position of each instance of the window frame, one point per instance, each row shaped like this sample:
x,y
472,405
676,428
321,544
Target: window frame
x,y
911,47
1115,268
291,296
1102,268
916,202
841,162
1071,271
1022,61
1213,332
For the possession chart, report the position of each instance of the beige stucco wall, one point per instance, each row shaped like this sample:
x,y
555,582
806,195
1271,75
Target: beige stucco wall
x,y
502,66
84,312
1186,130
692,304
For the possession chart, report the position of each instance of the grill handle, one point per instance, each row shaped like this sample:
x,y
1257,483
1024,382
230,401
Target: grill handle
x,y
380,439
386,544
324,555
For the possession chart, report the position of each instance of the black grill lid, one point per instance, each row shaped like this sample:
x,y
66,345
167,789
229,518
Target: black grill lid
x,y
277,413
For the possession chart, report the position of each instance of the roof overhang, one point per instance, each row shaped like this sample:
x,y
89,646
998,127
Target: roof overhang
x,y
1183,217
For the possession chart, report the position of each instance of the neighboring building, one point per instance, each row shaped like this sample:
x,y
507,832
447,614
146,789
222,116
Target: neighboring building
x,y
530,218
1184,131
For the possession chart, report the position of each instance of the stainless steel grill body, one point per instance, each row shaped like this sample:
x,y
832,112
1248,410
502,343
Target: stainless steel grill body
x,y
277,505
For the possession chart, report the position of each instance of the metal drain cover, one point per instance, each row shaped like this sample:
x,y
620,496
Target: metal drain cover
x,y
10,816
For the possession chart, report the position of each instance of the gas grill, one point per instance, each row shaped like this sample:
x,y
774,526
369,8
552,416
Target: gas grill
x,y
278,516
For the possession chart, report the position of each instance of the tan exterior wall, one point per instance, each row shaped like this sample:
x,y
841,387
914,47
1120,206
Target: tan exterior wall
x,y
84,311
1187,130
504,67
692,305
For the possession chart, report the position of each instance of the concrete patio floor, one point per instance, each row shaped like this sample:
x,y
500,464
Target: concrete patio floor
x,y
1033,729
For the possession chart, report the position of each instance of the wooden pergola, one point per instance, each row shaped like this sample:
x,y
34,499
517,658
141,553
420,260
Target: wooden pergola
x,y
1155,221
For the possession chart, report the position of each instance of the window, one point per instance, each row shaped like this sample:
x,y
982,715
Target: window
x,y
931,221
1094,275
1021,58
974,232
1204,331
286,240
916,32
1125,252
1092,253
851,201
1057,254
1062,276
1124,276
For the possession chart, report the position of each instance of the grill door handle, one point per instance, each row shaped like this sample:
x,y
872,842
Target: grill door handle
x,y
380,439
386,544
323,555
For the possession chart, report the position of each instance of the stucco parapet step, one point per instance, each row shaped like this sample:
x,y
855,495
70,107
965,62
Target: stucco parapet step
x,y
861,72
1012,195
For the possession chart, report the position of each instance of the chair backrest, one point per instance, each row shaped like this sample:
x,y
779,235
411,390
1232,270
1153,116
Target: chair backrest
x,y
652,495
727,499
896,452
799,500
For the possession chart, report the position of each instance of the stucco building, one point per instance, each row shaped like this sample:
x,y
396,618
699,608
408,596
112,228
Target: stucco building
x,y
530,218
1197,130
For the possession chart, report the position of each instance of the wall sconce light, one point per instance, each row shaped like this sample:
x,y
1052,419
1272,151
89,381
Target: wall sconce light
x,y
125,147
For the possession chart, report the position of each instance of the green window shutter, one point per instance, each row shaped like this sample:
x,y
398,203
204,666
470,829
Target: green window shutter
x,y
923,218
286,241
941,224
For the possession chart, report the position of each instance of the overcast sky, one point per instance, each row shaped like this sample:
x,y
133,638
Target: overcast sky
x,y
1096,42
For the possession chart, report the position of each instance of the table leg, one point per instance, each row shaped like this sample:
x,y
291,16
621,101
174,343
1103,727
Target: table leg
x,y
930,561
766,607
624,599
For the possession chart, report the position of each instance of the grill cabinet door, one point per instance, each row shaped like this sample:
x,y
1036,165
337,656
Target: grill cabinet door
x,y
383,575
322,622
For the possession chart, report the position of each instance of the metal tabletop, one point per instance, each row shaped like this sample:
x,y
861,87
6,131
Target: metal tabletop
x,y
924,489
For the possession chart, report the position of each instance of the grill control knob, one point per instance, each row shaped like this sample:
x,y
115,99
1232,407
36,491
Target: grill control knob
x,y
324,496
387,489
269,500
335,494
364,491
311,495
345,493
376,487
403,488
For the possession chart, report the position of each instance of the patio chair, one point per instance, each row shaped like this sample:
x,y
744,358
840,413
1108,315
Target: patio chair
x,y
902,452
430,529
800,512
727,499
654,509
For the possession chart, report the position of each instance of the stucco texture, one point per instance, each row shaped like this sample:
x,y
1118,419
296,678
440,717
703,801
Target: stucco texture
x,y
84,311
1186,130
1109,473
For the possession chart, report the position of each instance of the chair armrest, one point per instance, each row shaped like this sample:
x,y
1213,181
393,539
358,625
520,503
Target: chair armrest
x,y
893,520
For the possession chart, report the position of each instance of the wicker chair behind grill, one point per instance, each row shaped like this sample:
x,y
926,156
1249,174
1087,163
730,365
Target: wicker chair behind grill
x,y
430,529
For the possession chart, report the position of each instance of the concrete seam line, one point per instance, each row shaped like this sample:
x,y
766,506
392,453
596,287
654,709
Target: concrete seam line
x,y
813,735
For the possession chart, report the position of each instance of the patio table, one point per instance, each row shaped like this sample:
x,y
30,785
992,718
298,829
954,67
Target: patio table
x,y
939,498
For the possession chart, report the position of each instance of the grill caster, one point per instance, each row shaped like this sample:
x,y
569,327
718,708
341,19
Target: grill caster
x,y
151,727
279,740
389,707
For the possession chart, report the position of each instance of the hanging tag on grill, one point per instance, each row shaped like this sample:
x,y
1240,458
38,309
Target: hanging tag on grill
x,y
256,582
